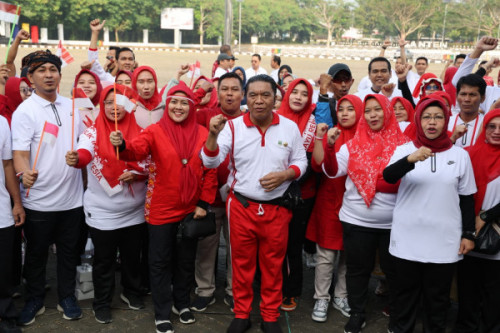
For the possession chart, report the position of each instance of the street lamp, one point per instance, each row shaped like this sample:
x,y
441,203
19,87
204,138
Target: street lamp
x,y
239,28
444,20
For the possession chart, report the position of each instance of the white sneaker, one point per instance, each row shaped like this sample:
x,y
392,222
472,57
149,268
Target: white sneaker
x,y
341,304
320,310
310,260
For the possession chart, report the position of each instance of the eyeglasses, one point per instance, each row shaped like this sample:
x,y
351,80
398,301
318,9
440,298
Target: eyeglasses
x,y
27,90
432,87
436,118
492,127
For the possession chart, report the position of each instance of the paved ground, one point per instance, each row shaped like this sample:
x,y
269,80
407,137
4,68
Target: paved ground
x,y
215,319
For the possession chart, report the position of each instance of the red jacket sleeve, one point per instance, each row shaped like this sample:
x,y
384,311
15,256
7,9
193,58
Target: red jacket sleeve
x,y
139,148
209,186
330,161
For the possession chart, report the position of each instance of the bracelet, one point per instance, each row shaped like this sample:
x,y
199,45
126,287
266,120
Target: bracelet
x,y
318,138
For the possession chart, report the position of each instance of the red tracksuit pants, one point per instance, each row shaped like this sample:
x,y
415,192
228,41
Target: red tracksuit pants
x,y
257,230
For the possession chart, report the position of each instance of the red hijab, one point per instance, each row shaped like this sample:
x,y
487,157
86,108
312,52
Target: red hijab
x,y
407,105
370,151
122,71
13,95
425,79
152,102
445,96
111,167
442,142
347,133
485,159
448,85
184,139
213,102
95,100
301,118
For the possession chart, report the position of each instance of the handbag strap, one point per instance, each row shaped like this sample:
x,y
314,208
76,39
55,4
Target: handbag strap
x,y
496,227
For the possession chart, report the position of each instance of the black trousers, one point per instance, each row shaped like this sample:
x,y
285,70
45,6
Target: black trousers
x,y
106,244
171,263
17,257
7,309
42,229
361,245
416,281
478,295
292,265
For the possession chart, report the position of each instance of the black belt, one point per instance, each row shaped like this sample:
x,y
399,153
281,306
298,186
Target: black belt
x,y
244,200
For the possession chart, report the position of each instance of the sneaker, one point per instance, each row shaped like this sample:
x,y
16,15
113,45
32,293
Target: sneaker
x,y
70,308
229,301
239,325
185,315
200,304
164,326
9,326
320,310
341,304
134,302
270,327
103,315
33,307
289,304
355,324
310,260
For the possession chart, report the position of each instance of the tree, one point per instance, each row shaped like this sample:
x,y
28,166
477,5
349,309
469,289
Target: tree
x,y
332,16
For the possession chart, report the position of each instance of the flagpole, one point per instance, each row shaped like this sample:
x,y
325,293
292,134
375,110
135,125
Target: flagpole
x,y
192,77
37,152
12,34
116,121
73,121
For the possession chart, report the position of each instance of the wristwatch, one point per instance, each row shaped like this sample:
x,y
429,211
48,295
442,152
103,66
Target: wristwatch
x,y
470,235
484,215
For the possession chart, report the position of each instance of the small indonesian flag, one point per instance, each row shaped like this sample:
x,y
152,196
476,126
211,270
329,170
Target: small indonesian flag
x,y
194,69
9,13
126,97
62,53
81,99
50,132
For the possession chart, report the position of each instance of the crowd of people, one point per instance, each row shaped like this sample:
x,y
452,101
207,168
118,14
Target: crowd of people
x,y
403,175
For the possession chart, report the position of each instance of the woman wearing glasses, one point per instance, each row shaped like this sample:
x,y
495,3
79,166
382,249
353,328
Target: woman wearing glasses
x,y
479,273
429,235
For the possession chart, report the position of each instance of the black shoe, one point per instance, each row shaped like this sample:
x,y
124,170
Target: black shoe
x,y
33,308
185,315
239,325
355,324
200,304
229,301
9,326
103,315
164,326
134,302
270,327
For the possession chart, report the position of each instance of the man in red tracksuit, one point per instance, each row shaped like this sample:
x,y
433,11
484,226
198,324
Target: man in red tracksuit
x,y
266,154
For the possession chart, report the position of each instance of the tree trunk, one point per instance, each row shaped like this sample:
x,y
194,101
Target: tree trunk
x,y
201,37
329,38
116,36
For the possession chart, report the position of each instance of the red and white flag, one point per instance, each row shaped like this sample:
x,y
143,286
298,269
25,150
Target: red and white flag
x,y
62,53
126,97
194,69
50,132
9,13
81,99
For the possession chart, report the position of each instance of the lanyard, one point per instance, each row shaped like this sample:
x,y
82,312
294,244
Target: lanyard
x,y
464,138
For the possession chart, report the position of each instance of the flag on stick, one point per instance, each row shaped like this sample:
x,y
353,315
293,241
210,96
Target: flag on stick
x,y
62,53
194,70
49,135
10,13
116,119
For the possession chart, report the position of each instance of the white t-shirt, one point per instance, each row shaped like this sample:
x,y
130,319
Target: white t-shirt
x,y
473,129
123,208
354,209
219,72
58,187
491,199
403,125
274,75
427,223
251,72
362,93
366,83
6,218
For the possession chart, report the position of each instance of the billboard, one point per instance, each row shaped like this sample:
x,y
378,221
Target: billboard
x,y
177,18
